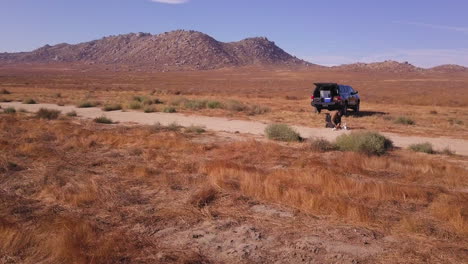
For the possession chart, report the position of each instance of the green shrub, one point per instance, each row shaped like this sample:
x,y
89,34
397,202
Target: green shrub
x,y
150,109
169,109
195,104
29,101
282,132
9,110
214,104
422,147
258,110
404,120
195,129
49,114
87,104
139,98
5,91
112,107
157,101
321,145
103,120
134,105
370,143
72,114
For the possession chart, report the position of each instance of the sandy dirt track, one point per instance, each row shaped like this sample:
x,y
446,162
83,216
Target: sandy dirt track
x,y
460,146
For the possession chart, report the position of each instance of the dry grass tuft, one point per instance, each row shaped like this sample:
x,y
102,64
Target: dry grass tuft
x,y
204,197
48,114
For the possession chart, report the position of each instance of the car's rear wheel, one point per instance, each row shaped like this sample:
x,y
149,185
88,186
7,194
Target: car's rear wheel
x,y
318,110
356,108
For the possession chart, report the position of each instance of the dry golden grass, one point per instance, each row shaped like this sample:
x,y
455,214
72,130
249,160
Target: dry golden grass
x,y
80,192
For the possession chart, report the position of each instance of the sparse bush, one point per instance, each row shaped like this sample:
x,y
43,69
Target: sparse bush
x,y
321,145
134,105
447,151
173,127
5,100
453,121
370,143
236,106
22,110
169,109
291,97
29,101
214,104
72,114
147,101
103,120
139,98
404,120
87,104
433,112
157,101
195,129
112,107
48,114
4,91
9,110
150,109
195,104
58,95
282,132
422,147
178,101
258,110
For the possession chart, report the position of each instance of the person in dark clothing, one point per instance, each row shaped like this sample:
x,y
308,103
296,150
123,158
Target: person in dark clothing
x,y
328,121
336,120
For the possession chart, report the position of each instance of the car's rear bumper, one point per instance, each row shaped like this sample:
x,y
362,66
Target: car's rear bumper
x,y
329,106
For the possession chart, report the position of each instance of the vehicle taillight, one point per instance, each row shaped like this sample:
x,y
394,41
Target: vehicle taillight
x,y
337,98
312,97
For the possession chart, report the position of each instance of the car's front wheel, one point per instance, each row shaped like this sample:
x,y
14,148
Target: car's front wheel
x,y
356,108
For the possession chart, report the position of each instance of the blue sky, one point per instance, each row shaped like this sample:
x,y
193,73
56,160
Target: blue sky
x,y
329,32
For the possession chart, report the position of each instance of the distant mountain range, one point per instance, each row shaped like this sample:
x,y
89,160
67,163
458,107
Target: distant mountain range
x,y
189,50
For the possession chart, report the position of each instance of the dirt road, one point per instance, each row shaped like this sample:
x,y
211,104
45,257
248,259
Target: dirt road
x,y
460,146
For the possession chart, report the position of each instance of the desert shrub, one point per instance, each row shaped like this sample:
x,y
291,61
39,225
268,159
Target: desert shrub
x,y
204,197
178,101
370,143
195,129
103,120
321,145
9,110
58,95
4,91
214,104
404,120
291,97
87,104
72,114
422,147
236,106
149,109
169,109
134,105
173,127
29,101
195,104
139,98
48,114
282,132
258,110
453,121
433,112
112,107
157,101
447,151
22,110
5,100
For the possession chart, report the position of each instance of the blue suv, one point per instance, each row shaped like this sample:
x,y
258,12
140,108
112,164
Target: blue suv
x,y
333,96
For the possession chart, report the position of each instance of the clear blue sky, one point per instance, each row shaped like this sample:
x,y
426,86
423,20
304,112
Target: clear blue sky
x,y
423,32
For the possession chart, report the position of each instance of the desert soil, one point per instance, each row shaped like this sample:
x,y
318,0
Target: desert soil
x,y
460,146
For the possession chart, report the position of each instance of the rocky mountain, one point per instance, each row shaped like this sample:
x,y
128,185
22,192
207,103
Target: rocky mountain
x,y
385,66
449,68
176,50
